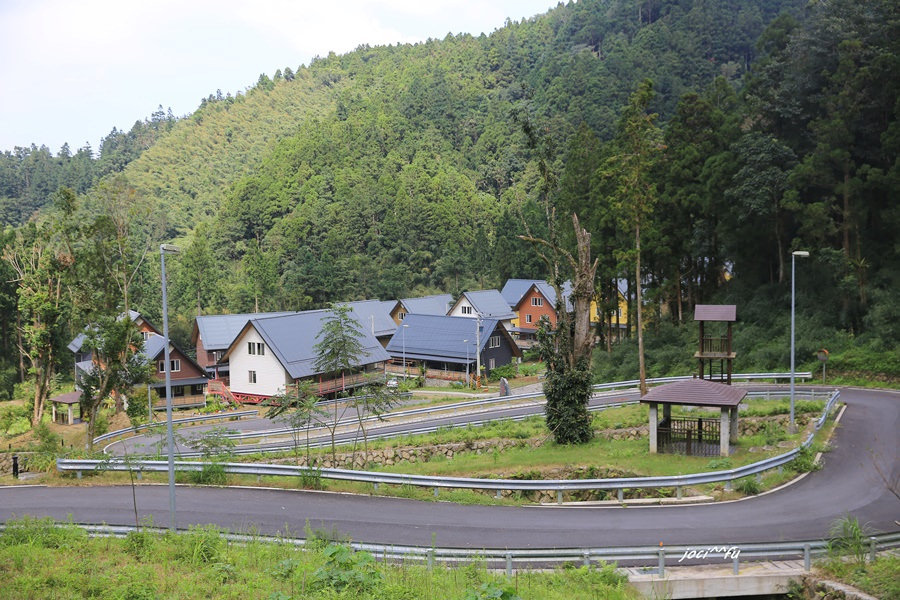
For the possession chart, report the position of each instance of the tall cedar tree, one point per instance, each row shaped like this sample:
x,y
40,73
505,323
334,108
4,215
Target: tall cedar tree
x,y
635,150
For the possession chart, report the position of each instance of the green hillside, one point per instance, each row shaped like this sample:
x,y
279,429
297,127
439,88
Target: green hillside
x,y
766,127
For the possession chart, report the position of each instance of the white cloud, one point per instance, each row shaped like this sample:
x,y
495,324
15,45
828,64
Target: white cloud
x,y
73,70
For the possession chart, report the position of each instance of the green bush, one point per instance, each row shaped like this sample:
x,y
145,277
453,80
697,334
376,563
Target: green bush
x,y
18,426
200,545
805,461
509,371
209,474
748,486
346,569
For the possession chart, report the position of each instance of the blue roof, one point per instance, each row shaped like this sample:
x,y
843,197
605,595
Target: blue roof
x,y
372,314
292,338
439,337
489,303
218,331
438,304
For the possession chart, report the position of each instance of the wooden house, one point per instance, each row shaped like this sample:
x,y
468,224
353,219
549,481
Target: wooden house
x,y
450,347
438,304
272,354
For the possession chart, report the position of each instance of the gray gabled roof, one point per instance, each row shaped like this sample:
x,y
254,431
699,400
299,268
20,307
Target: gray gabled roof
x,y
292,338
439,337
75,345
218,331
373,314
489,303
437,304
515,289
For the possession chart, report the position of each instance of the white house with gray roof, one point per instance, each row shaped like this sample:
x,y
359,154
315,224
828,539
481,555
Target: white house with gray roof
x,y
487,304
272,353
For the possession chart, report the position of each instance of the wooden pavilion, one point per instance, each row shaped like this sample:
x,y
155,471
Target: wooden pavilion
x,y
66,416
694,435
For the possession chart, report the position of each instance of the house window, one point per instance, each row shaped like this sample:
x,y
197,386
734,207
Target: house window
x,y
197,390
494,342
401,315
491,364
528,318
535,301
175,362
217,355
146,335
257,348
251,376
466,310
177,391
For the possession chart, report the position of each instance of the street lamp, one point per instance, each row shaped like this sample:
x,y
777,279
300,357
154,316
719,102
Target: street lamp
x,y
163,250
794,255
405,374
466,342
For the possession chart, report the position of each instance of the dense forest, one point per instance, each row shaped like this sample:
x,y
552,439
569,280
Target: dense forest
x,y
734,131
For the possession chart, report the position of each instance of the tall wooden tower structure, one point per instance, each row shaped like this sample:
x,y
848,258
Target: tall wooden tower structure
x,y
715,354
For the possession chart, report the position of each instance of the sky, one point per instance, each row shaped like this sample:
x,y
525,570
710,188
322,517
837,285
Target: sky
x,y
70,71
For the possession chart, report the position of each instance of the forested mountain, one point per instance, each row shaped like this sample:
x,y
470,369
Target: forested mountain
x,y
389,171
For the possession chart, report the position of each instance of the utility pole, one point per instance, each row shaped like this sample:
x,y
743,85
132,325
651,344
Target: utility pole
x,y
478,351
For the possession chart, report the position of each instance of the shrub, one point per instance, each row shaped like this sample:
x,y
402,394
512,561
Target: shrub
x,y
509,371
18,426
748,486
200,545
805,461
346,569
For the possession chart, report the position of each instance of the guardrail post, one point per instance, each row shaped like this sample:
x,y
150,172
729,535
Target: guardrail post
x,y
678,492
872,550
728,487
807,562
435,492
78,474
662,562
430,559
499,494
375,486
587,558
508,564
621,494
559,496
140,475
735,564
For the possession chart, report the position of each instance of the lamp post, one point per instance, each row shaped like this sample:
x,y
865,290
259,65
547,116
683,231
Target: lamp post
x,y
794,255
405,374
163,249
466,342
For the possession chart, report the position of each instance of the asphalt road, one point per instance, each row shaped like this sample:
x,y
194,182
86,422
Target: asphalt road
x,y
848,484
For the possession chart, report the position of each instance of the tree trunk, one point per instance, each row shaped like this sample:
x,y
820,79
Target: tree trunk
x,y
582,293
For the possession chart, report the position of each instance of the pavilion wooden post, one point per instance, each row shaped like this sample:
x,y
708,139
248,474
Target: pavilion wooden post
x,y
654,423
724,435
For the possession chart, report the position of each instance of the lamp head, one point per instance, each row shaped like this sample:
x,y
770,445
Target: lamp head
x,y
169,248
801,253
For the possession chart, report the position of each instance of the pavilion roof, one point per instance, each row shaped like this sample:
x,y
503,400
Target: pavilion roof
x,y
715,312
696,392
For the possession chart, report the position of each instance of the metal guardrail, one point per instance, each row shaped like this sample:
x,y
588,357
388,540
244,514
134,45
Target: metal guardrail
x,y
196,419
635,555
376,478
485,402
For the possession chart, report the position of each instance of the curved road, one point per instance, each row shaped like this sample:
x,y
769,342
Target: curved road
x,y
848,484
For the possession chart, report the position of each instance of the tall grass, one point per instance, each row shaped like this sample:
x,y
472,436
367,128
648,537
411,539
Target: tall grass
x,y
39,559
